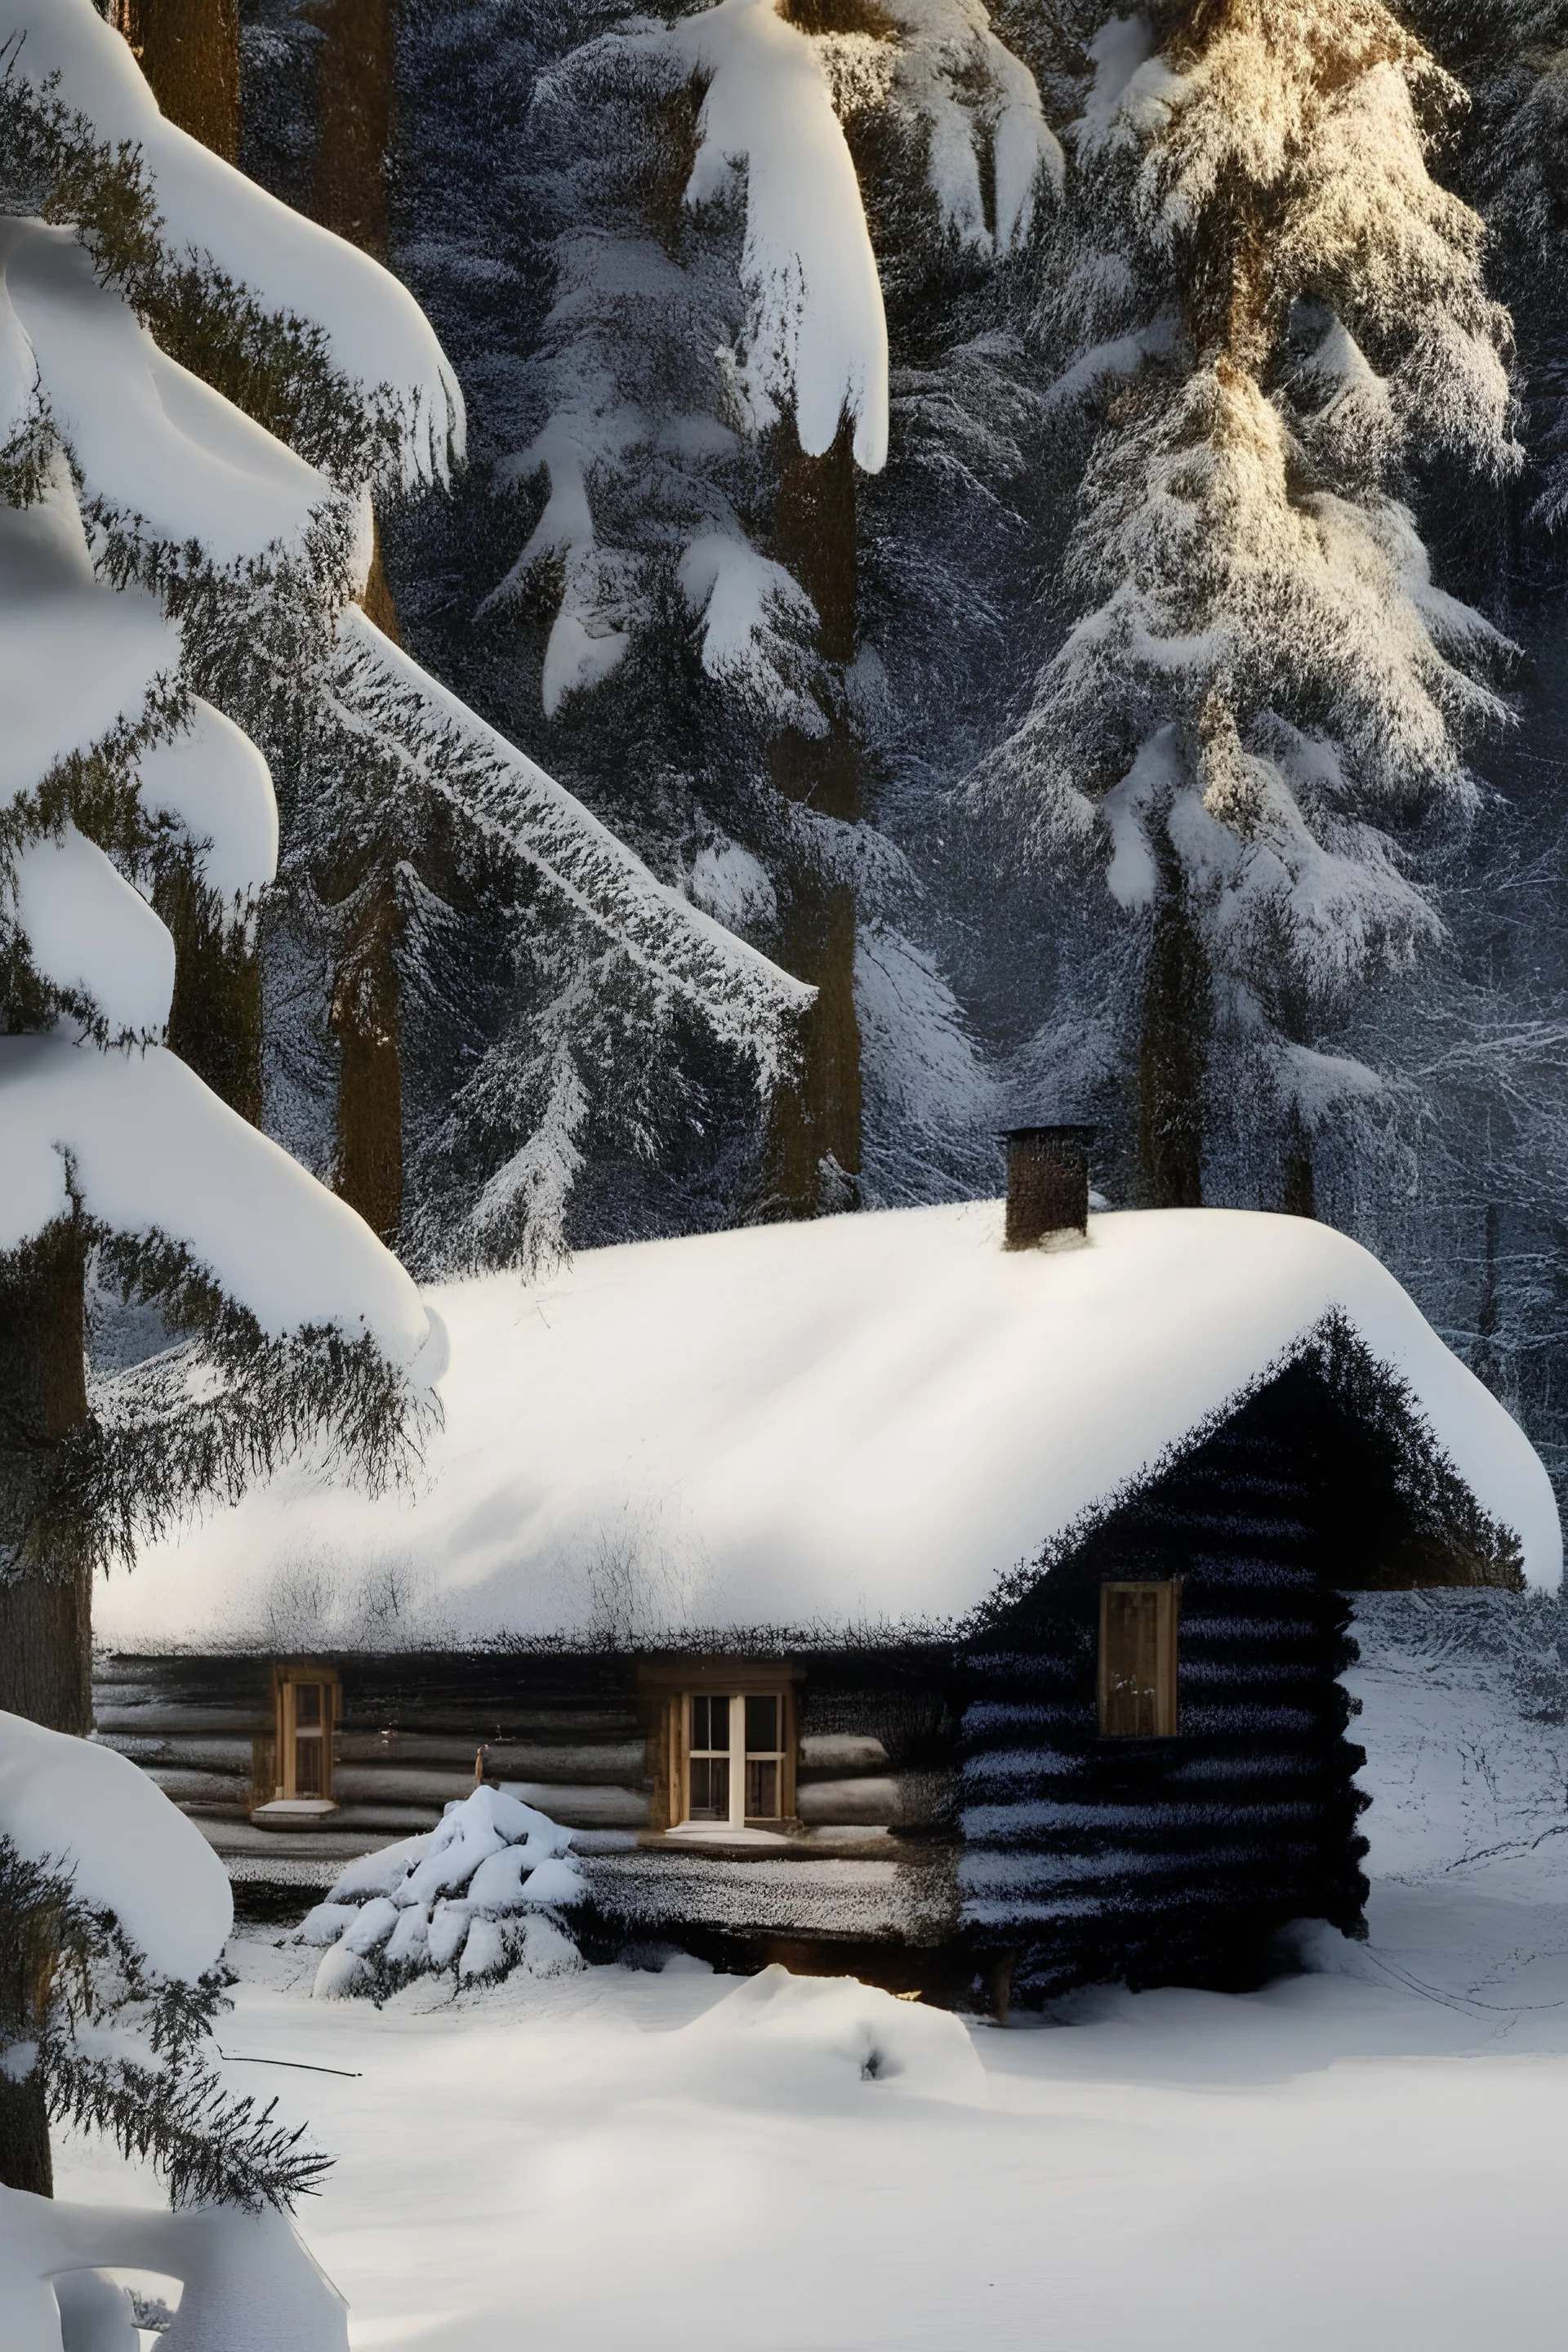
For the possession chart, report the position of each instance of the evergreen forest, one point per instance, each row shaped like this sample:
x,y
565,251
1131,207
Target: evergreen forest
x,y
1048,526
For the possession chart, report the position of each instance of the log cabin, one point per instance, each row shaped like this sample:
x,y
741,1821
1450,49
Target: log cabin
x,y
958,1596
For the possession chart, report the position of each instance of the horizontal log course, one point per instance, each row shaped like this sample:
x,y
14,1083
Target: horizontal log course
x,y
847,1802
195,1752
365,1715
604,1763
610,1762
184,1787
158,1720
584,1808
839,1753
399,1784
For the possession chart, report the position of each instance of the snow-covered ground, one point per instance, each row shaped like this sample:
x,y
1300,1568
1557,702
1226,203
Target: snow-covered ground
x,y
1372,2154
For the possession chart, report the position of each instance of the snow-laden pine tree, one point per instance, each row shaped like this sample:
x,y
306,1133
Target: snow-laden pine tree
x,y
1274,314
427,864
293,1322
178,586
113,1915
689,437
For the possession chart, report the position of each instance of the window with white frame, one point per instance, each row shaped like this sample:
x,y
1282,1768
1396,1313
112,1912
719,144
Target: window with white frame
x,y
735,1757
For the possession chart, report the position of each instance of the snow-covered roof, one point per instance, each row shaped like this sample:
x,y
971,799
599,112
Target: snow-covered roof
x,y
869,1419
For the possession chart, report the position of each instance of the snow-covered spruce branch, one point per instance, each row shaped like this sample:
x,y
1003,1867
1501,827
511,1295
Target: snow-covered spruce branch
x,y
743,998
278,368
337,312
121,2049
197,1422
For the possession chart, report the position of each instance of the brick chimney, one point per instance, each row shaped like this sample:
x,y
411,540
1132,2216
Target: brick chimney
x,y
1048,1182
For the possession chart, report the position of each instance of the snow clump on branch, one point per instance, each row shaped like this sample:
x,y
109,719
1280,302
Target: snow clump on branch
x,y
376,334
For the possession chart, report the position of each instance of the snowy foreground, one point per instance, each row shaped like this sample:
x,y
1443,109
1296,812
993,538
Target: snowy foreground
x,y
1373,2154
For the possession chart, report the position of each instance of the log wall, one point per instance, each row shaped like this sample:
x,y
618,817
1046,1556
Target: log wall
x,y
1157,1861
576,1738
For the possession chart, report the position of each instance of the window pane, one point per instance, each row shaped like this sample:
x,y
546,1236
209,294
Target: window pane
x,y
709,1788
710,1724
307,1767
763,1727
307,1703
763,1793
1138,1660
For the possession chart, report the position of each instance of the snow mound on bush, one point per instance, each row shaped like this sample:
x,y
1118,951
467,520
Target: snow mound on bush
x,y
783,2036
476,1894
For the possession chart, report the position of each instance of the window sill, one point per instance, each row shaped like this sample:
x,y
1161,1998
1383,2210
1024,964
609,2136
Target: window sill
x,y
283,1811
726,1833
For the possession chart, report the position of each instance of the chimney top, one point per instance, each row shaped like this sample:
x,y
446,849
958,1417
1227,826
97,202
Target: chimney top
x,y
1048,1182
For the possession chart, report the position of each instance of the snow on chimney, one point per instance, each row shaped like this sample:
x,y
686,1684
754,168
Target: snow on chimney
x,y
1048,1182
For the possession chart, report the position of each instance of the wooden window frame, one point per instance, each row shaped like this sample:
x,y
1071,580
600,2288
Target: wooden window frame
x,y
286,1679
673,1686
1112,1705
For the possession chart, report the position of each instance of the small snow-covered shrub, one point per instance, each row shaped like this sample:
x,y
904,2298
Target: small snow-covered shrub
x,y
479,1894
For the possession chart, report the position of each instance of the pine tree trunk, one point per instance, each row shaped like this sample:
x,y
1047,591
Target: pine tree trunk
x,y
813,1163
1487,1366
355,82
189,51
1171,1059
214,1019
45,1601
376,601
1301,1184
24,2159
814,1140
367,1024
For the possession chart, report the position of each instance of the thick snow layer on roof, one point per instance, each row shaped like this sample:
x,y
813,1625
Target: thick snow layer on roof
x,y
100,1820
374,329
869,1418
150,1150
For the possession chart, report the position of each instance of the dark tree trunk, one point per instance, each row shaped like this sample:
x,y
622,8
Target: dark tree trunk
x,y
1301,1184
46,1599
367,1024
814,1139
24,2159
214,1019
1172,1056
377,598
354,76
189,51
1487,1365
